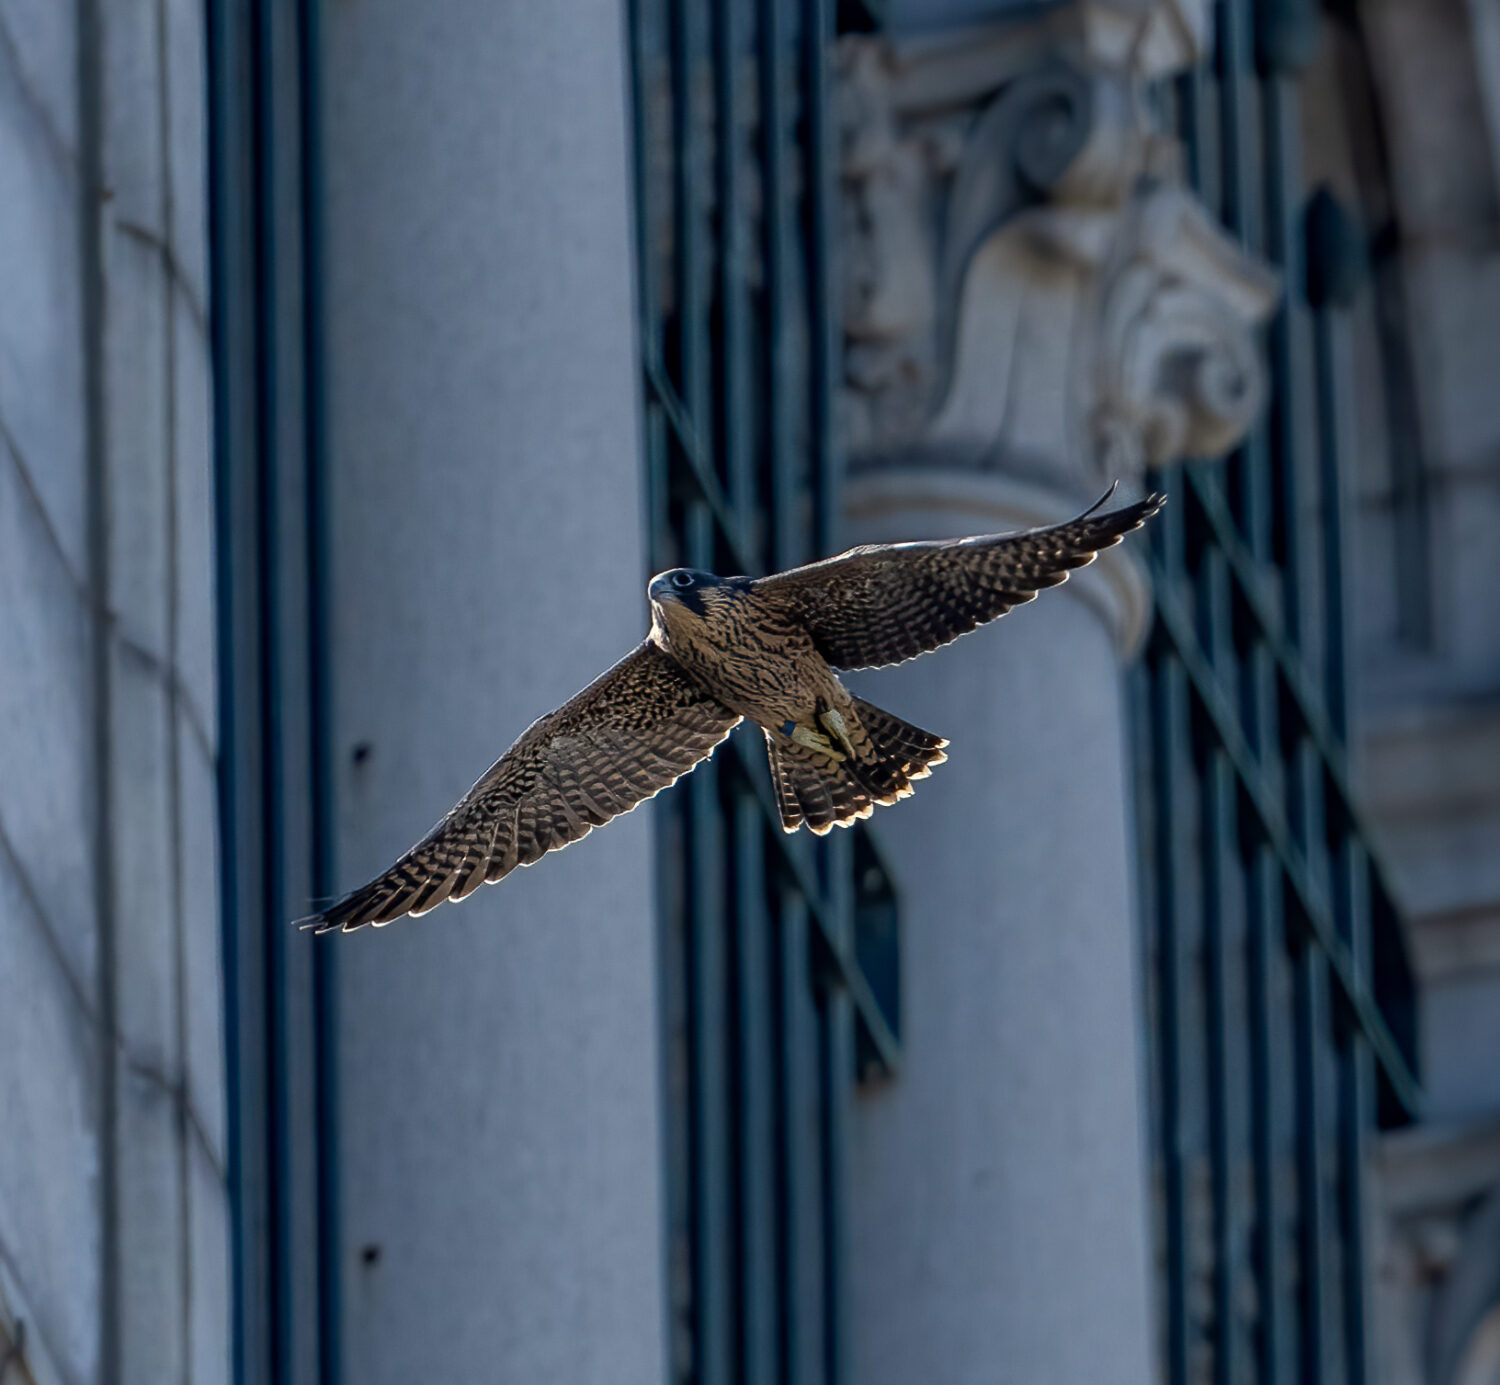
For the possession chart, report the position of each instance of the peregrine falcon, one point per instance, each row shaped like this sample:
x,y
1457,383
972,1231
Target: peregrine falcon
x,y
722,649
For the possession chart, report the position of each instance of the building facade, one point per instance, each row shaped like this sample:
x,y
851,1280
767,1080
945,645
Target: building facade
x,y
359,363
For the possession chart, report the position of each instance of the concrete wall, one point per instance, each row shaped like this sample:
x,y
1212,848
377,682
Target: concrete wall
x,y
113,1217
501,1122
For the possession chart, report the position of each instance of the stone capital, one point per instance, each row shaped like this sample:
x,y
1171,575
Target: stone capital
x,y
1029,281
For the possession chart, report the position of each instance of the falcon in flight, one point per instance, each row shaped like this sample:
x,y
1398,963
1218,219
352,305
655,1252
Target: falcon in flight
x,y
722,649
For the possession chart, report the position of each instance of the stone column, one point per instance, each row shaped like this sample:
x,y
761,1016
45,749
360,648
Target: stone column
x,y
1000,1225
1035,306
500,1121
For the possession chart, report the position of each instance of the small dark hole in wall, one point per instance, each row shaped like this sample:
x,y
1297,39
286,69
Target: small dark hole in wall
x,y
370,1255
361,752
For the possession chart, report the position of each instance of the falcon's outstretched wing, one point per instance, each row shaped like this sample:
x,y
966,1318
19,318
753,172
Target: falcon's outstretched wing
x,y
884,603
630,733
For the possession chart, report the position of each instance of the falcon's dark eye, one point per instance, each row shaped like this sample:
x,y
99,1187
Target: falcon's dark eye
x,y
682,579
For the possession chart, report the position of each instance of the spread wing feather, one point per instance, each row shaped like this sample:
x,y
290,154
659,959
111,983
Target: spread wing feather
x,y
885,603
636,729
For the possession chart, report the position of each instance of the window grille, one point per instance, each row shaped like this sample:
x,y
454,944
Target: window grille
x,y
1281,998
769,944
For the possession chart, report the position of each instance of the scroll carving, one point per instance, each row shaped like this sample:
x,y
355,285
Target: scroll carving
x,y
1030,285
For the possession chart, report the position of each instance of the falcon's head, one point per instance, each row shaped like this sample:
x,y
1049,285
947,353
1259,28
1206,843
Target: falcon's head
x,y
702,593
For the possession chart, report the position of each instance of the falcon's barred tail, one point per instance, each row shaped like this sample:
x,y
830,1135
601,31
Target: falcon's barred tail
x,y
889,755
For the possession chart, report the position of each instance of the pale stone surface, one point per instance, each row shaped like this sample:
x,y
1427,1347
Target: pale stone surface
x,y
149,1162
40,37
187,138
998,1213
209,1301
501,1136
1436,1254
140,460
192,400
1426,66
203,970
1460,1037
56,1162
45,770
15,1308
133,155
1469,571
41,361
146,991
1456,291
49,1156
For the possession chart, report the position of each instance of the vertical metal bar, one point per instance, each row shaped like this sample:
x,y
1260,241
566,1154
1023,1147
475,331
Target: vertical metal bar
x,y
1335,651
1281,134
734,438
648,295
787,541
1232,52
1169,713
1312,1029
836,1073
1247,478
836,1067
1267,944
1267,937
713,1231
803,1321
658,487
1311,1025
694,377
1218,883
757,1087
700,535
1356,1110
824,309
1216,816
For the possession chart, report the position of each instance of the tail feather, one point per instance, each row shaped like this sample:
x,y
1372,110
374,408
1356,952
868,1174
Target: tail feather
x,y
889,755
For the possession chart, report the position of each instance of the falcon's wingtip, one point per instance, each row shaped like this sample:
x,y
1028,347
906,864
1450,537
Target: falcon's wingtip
x,y
315,924
1102,500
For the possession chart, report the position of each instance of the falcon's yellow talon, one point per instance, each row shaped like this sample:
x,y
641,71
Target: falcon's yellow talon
x,y
813,740
833,719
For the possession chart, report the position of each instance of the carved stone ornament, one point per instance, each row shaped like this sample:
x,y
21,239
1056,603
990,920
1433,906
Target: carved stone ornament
x,y
1179,370
1029,284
